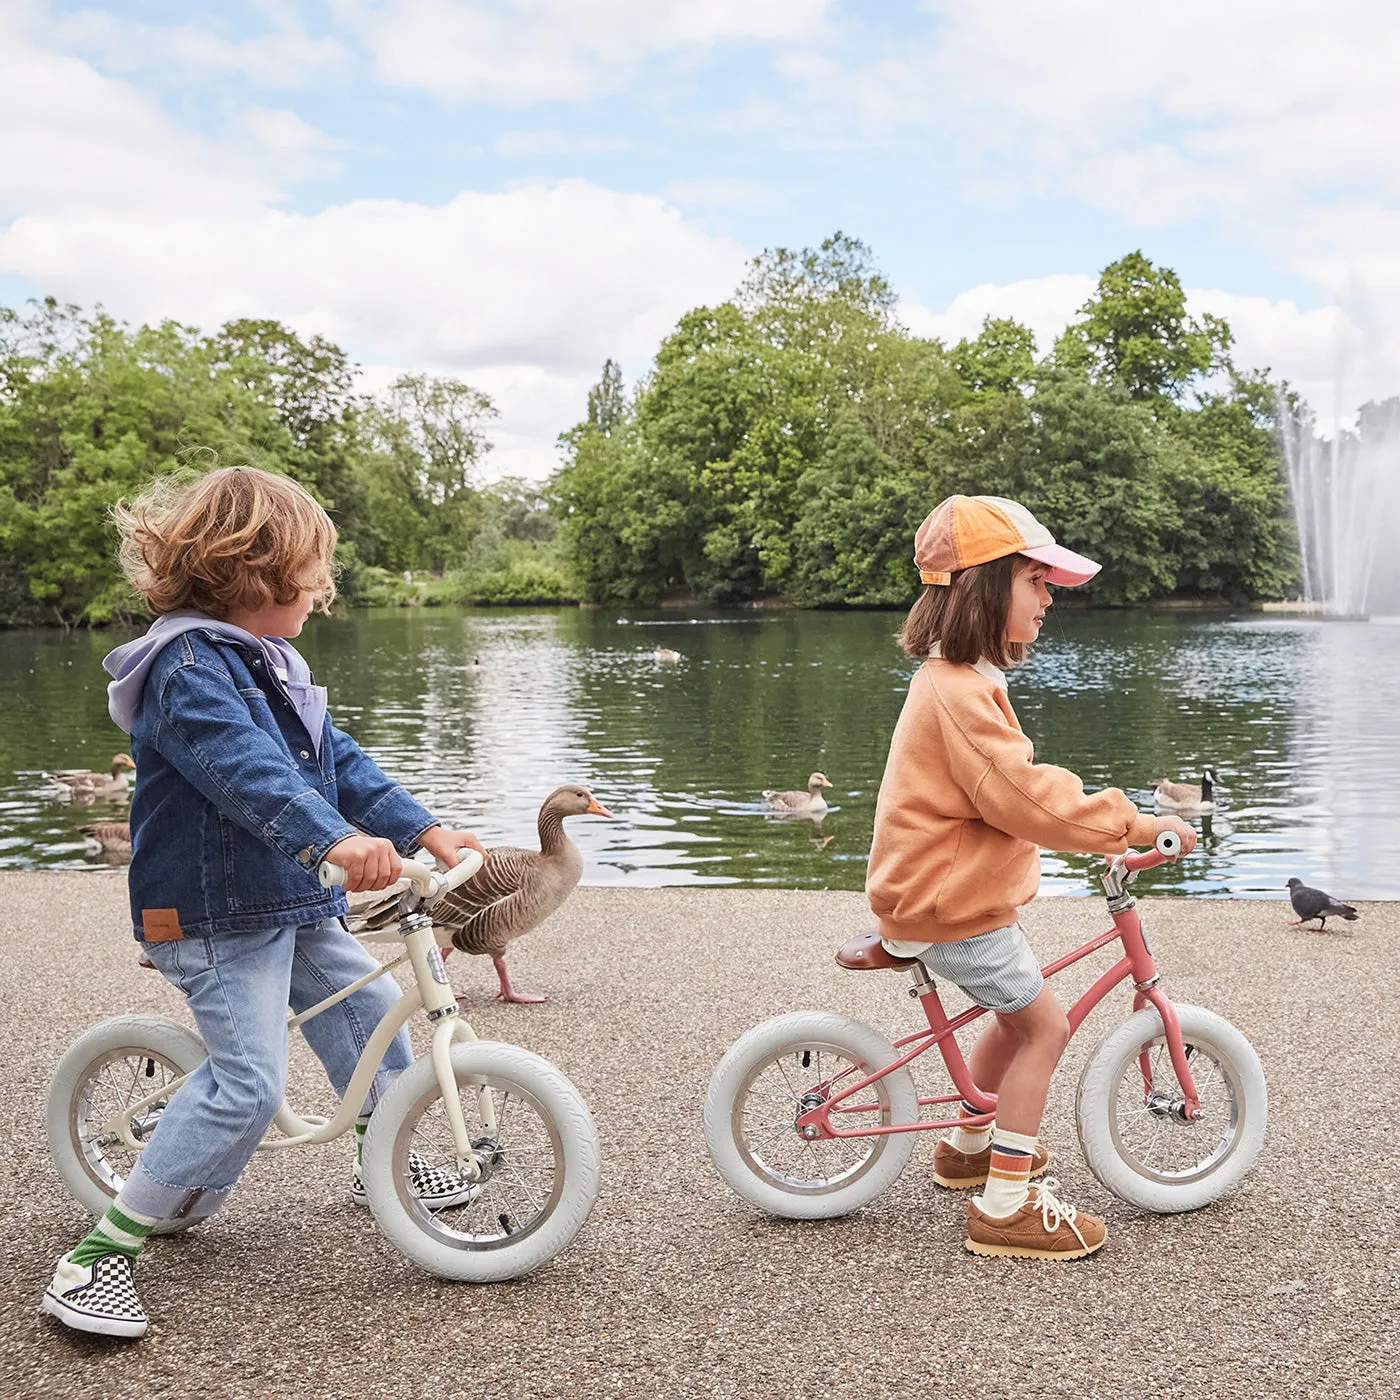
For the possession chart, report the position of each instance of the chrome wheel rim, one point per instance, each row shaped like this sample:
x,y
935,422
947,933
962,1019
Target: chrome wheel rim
x,y
777,1091
522,1164
1154,1142
108,1086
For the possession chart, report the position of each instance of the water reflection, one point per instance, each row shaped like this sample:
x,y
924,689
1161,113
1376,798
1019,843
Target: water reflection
x,y
1293,715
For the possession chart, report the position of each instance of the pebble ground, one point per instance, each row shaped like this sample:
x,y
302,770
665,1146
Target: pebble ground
x,y
676,1288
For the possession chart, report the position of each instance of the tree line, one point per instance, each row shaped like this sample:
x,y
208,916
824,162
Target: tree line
x,y
90,410
789,441
785,444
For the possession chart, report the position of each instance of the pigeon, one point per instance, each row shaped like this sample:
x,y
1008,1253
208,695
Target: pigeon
x,y
1310,904
1185,797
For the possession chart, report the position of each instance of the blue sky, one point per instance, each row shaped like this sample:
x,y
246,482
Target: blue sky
x,y
509,190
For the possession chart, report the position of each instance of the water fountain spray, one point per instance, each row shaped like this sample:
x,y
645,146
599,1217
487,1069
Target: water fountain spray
x,y
1346,504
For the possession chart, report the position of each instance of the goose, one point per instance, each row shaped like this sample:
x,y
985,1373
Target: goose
x,y
665,654
82,786
473,665
111,837
1186,797
809,801
514,891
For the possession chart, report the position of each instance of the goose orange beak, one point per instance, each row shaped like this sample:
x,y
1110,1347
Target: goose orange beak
x,y
597,808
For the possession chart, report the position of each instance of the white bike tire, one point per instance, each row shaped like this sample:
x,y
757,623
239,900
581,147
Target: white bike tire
x,y
759,1046
141,1035
557,1102
1249,1093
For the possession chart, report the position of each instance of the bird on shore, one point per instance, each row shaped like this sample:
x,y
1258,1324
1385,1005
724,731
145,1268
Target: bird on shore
x,y
1186,797
665,654
80,786
110,838
1310,904
809,801
514,891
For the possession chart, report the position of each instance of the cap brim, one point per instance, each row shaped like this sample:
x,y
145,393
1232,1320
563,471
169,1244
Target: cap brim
x,y
1067,568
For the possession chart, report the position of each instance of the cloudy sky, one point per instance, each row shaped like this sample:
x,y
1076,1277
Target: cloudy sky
x,y
513,190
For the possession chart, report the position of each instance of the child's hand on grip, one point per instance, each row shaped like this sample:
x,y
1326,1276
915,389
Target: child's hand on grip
x,y
1185,830
444,843
370,862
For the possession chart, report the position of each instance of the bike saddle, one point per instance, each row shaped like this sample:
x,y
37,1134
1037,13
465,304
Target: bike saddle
x,y
865,953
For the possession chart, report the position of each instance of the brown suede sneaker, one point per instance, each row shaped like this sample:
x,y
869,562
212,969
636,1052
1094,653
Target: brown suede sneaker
x,y
1044,1228
960,1170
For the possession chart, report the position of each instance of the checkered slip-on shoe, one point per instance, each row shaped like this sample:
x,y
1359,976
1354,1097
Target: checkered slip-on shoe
x,y
100,1297
438,1188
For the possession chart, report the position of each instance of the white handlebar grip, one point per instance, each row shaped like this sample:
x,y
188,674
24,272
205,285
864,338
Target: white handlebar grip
x,y
332,874
1169,844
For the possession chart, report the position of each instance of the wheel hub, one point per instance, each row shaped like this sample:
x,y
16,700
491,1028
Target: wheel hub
x,y
805,1105
489,1155
1162,1105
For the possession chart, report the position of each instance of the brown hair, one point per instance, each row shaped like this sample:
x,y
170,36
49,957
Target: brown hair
x,y
234,538
966,618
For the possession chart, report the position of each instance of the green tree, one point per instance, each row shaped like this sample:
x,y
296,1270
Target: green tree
x,y
1135,329
607,400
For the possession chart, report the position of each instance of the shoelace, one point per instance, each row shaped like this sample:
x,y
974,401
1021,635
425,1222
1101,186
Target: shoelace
x,y
1052,1206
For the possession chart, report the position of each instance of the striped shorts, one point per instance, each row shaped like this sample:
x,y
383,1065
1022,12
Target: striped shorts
x,y
996,969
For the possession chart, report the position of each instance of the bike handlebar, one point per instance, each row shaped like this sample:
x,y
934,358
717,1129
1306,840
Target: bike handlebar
x,y
1167,848
427,883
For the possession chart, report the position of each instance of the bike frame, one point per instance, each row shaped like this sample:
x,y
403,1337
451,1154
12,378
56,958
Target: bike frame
x,y
1136,963
430,992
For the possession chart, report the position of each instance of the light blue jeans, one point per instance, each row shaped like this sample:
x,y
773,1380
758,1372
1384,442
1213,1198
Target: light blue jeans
x,y
239,987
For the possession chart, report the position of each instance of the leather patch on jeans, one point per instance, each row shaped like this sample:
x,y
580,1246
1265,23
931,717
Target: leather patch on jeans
x,y
161,925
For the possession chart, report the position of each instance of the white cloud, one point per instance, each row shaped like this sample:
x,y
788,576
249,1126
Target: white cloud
x,y
512,144
524,292
554,50
285,56
1045,304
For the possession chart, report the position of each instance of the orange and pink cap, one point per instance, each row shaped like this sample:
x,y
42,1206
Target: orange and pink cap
x,y
967,530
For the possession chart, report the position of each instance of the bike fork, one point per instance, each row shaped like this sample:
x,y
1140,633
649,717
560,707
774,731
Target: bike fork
x,y
1191,1102
448,1026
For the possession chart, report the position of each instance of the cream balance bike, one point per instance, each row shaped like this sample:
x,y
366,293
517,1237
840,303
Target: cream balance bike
x,y
505,1119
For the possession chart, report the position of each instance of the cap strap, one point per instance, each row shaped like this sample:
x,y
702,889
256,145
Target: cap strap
x,y
929,576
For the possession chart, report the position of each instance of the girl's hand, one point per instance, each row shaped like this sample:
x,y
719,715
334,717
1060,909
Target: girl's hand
x,y
371,863
1185,830
444,844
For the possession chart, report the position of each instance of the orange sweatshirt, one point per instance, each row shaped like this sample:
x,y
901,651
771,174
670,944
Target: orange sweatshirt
x,y
964,810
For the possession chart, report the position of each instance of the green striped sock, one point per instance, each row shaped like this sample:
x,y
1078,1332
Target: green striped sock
x,y
361,1123
118,1232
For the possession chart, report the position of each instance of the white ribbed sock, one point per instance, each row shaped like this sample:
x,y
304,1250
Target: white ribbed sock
x,y
1008,1177
970,1140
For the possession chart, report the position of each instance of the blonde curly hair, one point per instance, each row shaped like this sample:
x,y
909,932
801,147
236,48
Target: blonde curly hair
x,y
234,539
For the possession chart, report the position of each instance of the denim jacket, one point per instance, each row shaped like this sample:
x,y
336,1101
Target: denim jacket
x,y
234,807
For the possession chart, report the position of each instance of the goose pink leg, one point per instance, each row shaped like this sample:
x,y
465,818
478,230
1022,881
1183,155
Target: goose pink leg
x,y
507,992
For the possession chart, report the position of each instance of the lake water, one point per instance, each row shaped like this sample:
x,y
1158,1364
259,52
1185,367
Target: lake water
x,y
1298,717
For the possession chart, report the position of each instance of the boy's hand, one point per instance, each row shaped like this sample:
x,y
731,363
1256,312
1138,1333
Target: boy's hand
x,y
371,863
1185,830
444,844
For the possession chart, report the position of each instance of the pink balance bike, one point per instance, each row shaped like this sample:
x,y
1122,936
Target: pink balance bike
x,y
812,1115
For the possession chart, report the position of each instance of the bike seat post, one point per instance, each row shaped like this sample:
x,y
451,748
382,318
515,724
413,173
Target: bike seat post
x,y
923,980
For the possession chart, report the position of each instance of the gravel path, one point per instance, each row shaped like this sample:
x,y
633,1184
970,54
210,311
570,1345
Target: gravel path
x,y
675,1287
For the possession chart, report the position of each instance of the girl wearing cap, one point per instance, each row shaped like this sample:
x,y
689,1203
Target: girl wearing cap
x,y
962,816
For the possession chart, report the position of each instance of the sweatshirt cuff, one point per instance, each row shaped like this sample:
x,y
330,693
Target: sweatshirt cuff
x,y
1143,831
